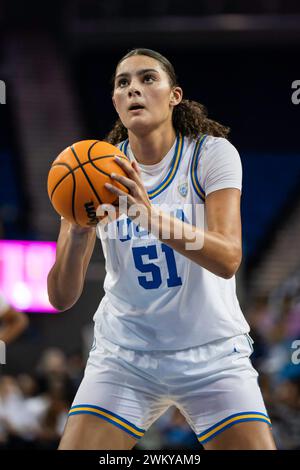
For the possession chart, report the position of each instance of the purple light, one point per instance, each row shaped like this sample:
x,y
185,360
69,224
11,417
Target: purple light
x,y
24,267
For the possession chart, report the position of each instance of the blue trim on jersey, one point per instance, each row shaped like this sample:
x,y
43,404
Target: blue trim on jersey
x,y
230,421
125,147
194,165
121,145
173,169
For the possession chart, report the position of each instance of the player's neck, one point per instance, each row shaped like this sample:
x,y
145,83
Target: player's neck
x,y
152,148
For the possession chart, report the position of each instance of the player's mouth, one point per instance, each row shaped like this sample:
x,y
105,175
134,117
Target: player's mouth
x,y
135,108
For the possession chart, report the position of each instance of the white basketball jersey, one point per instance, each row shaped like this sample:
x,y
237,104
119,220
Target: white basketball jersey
x,y
156,298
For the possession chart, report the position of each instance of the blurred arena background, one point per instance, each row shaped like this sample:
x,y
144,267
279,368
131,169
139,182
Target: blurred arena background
x,y
237,58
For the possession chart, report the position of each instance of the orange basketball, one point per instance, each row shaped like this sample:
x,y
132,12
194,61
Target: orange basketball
x,y
76,180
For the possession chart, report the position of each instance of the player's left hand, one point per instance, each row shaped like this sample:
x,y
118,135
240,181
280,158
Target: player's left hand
x,y
138,195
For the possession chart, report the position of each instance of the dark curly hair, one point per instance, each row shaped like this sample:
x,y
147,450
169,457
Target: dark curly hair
x,y
189,117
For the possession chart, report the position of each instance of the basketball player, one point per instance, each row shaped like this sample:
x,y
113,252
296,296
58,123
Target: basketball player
x,y
169,330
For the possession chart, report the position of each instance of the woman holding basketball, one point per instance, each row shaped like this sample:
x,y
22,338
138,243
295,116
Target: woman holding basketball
x,y
169,330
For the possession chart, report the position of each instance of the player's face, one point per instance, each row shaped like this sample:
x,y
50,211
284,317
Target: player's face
x,y
141,81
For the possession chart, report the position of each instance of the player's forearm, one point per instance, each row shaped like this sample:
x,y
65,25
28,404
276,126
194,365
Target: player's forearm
x,y
211,250
66,278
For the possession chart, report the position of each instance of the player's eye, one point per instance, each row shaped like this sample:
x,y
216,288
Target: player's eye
x,y
122,81
149,77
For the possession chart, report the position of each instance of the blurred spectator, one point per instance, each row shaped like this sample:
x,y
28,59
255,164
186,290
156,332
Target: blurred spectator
x,y
278,341
260,318
53,422
76,366
13,322
293,318
274,332
53,375
281,329
286,415
34,410
19,426
28,420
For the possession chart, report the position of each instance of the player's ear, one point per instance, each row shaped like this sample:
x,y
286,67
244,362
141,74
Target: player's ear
x,y
176,95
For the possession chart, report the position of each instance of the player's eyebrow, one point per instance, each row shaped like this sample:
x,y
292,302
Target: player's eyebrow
x,y
139,72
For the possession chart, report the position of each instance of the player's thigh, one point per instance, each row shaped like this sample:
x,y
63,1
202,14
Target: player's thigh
x,y
250,435
88,432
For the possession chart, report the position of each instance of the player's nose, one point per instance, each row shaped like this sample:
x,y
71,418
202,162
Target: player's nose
x,y
134,89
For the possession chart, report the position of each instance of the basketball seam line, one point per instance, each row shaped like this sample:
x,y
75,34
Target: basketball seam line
x,y
79,166
57,184
71,170
88,161
92,161
73,191
73,198
88,179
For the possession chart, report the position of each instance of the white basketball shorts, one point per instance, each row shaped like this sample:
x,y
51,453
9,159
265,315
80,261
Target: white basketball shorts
x,y
214,386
